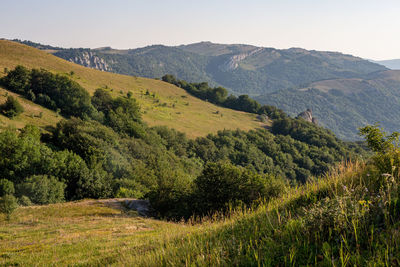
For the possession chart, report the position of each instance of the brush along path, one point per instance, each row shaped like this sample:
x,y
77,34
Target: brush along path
x,y
162,103
322,223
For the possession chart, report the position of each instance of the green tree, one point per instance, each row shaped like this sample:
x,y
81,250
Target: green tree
x,y
42,189
222,184
378,140
11,108
17,80
6,187
8,204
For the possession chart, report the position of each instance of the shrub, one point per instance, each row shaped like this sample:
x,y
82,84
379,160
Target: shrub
x,y
6,187
222,184
125,192
42,189
8,204
24,201
11,108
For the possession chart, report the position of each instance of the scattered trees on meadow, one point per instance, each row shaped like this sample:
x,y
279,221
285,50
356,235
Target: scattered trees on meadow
x,y
219,96
104,149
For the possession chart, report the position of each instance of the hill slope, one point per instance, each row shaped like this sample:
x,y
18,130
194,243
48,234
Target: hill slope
x,y
344,105
244,69
33,114
163,104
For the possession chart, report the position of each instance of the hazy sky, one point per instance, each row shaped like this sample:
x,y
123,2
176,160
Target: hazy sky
x,y
366,28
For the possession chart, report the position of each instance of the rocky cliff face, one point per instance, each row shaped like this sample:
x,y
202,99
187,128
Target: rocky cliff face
x,y
307,115
91,60
233,62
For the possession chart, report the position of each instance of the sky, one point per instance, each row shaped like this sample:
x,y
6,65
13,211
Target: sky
x,y
365,28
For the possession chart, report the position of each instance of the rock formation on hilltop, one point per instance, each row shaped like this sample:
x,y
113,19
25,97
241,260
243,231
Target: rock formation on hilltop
x,y
307,115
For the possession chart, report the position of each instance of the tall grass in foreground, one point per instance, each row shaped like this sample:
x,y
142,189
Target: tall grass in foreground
x,y
349,217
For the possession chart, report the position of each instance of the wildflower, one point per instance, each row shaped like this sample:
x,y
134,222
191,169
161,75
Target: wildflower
x,y
386,174
366,190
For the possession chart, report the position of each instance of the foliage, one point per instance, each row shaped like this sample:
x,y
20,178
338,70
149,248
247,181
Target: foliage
x,y
50,90
23,155
222,184
6,187
11,108
8,204
42,189
378,140
121,114
24,201
219,96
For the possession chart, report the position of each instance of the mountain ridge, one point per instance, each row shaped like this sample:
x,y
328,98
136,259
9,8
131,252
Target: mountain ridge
x,y
240,68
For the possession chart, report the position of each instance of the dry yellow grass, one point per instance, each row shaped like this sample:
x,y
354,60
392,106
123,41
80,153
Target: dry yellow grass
x,y
86,232
166,105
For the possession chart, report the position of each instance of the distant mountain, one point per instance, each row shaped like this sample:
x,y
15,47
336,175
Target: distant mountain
x,y
243,69
393,64
343,91
344,105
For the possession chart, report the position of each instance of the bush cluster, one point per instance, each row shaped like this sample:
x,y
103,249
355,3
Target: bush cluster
x,y
11,108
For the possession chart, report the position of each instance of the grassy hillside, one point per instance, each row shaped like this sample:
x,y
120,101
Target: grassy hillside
x,y
164,104
33,114
85,232
344,105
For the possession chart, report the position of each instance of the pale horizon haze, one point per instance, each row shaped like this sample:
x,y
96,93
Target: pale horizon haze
x,y
364,28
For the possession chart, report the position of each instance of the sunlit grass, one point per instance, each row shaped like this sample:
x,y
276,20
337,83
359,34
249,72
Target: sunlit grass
x,y
166,105
95,233
33,114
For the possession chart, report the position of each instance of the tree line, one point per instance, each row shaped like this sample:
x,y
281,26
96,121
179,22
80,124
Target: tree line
x,y
219,96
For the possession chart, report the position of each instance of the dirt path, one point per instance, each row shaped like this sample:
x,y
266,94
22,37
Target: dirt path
x,y
139,205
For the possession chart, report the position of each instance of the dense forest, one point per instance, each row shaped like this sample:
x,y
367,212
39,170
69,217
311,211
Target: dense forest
x,y
104,149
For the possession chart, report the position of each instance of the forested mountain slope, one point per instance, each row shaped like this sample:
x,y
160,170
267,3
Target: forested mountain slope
x,y
244,69
344,105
